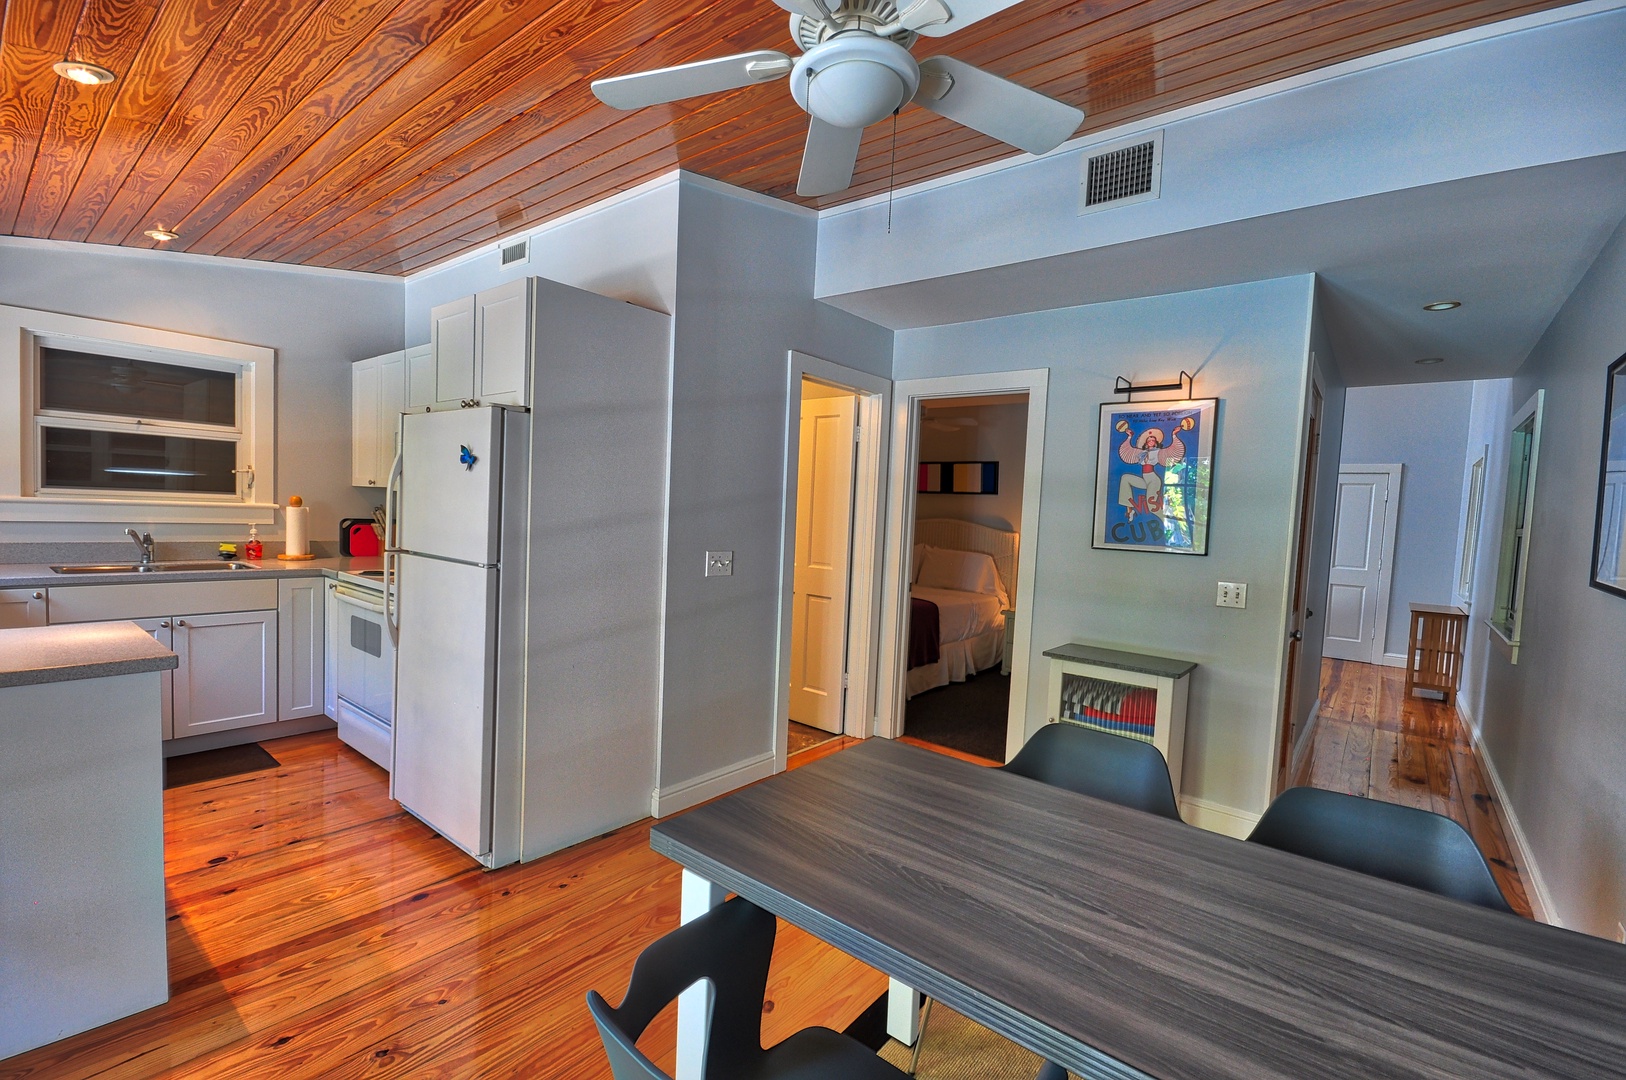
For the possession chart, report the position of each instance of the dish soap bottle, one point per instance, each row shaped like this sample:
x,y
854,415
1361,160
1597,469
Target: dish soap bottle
x,y
253,551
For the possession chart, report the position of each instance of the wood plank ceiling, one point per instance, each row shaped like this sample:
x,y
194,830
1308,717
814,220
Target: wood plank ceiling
x,y
387,135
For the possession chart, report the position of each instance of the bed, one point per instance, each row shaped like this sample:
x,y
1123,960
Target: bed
x,y
962,581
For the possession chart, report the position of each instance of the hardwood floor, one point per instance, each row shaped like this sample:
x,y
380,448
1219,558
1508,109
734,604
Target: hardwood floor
x,y
316,930
1373,740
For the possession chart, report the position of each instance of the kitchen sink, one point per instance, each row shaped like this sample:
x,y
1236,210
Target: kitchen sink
x,y
150,568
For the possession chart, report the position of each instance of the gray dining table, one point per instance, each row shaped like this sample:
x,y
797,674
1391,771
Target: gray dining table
x,y
1120,944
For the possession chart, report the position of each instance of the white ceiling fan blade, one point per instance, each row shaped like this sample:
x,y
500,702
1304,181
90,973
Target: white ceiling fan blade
x,y
997,107
690,80
937,18
828,159
809,9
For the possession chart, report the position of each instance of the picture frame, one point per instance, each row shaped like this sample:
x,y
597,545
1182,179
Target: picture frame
x,y
1609,523
1154,476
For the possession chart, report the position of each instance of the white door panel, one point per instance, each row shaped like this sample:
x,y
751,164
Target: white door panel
x,y
824,500
445,697
449,507
451,339
1356,592
228,672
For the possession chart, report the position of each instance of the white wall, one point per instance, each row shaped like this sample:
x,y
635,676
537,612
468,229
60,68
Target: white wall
x,y
1001,435
1249,346
745,298
318,322
1554,725
1423,427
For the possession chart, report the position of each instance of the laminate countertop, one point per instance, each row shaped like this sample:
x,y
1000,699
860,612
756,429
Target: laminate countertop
x,y
37,575
33,655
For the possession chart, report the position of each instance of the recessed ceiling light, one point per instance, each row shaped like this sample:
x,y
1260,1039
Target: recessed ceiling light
x,y
1442,305
1431,360
161,234
80,71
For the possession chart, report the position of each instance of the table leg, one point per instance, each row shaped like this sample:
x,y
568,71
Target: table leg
x,y
694,1004
902,1012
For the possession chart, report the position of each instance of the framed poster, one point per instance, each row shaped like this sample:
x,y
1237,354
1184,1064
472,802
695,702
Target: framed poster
x,y
1609,527
1154,472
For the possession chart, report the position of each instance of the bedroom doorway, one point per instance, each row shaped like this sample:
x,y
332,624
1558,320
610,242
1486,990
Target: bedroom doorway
x,y
968,515
964,483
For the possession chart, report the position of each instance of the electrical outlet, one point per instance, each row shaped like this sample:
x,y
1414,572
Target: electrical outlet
x,y
719,564
1232,594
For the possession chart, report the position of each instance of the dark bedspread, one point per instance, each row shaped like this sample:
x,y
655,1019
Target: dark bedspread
x,y
923,633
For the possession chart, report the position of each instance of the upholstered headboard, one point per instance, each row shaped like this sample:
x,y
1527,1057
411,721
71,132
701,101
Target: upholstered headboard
x,y
1000,544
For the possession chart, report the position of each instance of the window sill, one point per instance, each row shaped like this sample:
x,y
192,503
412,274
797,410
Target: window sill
x,y
1498,633
52,510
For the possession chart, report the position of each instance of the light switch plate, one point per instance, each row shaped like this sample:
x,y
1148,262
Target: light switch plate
x,y
719,564
1232,594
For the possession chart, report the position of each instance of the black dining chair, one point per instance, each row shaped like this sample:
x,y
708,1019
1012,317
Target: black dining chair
x,y
1398,843
730,946
1112,768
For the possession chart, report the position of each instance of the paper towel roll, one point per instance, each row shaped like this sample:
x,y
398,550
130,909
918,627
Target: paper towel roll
x,y
298,539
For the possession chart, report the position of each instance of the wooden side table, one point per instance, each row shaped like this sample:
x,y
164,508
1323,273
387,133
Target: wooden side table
x,y
1434,658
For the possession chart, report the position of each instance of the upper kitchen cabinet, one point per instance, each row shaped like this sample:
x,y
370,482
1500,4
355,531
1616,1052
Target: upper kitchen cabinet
x,y
378,389
481,347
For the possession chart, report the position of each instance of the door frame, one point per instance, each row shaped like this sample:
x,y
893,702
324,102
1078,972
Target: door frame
x,y
1300,586
1386,573
907,396
874,395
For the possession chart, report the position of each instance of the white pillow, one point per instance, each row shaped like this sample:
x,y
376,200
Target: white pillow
x,y
967,571
919,557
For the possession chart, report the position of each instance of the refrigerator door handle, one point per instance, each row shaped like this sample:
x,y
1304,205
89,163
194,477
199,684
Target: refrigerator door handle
x,y
392,488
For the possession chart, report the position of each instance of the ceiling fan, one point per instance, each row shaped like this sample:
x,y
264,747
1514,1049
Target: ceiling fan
x,y
855,69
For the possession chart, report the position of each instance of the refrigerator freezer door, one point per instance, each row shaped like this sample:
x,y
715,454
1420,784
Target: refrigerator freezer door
x,y
451,484
445,697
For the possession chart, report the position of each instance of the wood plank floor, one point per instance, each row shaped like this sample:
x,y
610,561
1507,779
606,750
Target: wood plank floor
x,y
1372,740
316,930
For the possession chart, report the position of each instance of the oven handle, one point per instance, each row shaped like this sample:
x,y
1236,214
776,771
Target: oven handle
x,y
392,602
368,599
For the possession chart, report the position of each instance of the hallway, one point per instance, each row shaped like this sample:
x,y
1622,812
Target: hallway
x,y
1371,741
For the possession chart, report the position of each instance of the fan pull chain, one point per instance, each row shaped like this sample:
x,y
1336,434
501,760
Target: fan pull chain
x,y
892,172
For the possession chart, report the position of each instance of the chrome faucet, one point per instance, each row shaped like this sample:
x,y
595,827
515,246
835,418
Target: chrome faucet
x,y
144,541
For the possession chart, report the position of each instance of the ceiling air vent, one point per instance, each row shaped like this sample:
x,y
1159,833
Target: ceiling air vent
x,y
516,252
1120,173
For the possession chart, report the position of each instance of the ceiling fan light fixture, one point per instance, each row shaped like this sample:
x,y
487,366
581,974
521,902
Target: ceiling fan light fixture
x,y
162,235
83,72
1442,305
855,81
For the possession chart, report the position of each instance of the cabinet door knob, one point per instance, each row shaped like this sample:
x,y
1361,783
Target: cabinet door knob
x,y
164,625
180,622
39,596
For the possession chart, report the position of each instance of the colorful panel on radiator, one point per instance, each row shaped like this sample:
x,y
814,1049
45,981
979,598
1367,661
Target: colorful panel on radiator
x,y
959,478
1116,708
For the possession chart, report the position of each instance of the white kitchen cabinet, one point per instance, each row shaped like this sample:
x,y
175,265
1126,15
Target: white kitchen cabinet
x,y
227,676
451,337
162,631
480,348
420,376
22,607
301,659
378,392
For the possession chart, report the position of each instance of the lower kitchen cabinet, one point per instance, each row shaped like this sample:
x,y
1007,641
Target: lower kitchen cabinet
x,y
227,676
163,631
301,658
21,607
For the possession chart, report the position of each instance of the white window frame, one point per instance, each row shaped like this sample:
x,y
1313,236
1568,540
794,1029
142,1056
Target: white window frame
x,y
1511,631
24,331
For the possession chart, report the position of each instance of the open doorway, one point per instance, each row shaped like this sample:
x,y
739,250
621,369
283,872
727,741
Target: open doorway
x,y
835,447
970,455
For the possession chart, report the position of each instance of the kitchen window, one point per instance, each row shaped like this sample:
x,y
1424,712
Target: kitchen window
x,y
118,421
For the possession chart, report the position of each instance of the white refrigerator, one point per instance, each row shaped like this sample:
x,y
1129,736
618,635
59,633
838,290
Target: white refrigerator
x,y
457,512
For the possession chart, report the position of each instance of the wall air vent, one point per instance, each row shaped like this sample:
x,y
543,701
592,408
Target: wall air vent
x,y
1120,173
516,252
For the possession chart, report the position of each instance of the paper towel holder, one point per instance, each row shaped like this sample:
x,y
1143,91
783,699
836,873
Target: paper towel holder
x,y
295,502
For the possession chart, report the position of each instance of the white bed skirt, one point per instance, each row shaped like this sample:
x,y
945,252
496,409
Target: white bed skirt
x,y
958,661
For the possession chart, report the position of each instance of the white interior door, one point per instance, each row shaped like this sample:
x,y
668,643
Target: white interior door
x,y
824,516
1357,587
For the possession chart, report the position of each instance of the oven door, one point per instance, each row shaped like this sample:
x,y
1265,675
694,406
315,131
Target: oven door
x,y
365,666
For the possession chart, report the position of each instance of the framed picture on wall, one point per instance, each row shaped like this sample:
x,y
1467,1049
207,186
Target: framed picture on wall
x,y
1609,529
1154,474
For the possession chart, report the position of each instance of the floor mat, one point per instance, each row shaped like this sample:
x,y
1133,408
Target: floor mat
x,y
954,1048
216,764
969,716
803,737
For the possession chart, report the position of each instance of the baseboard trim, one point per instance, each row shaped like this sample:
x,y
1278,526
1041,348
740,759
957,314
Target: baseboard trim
x,y
1392,659
1227,820
216,740
1541,900
665,801
1306,740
